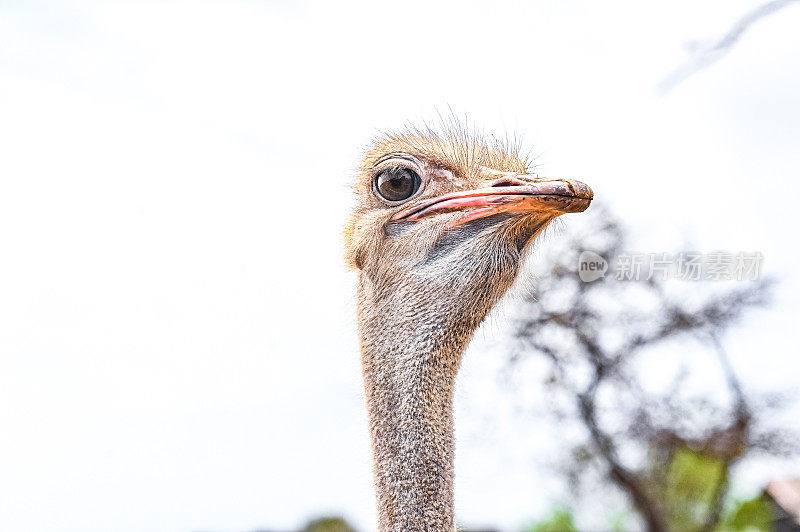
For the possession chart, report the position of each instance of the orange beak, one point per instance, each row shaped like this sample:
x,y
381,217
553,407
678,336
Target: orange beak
x,y
554,197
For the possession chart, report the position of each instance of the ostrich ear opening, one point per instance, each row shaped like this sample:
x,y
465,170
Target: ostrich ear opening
x,y
353,258
356,261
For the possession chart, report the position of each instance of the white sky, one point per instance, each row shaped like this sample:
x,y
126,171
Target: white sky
x,y
177,344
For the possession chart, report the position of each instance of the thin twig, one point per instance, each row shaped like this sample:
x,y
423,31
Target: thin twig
x,y
711,54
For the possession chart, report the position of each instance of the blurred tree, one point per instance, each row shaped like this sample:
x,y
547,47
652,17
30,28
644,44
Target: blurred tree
x,y
328,524
560,520
668,450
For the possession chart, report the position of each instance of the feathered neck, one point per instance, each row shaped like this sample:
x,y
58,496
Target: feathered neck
x,y
410,352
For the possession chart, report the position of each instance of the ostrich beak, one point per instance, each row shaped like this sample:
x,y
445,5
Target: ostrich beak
x,y
509,194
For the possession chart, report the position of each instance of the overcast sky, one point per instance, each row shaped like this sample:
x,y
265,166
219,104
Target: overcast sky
x,y
177,339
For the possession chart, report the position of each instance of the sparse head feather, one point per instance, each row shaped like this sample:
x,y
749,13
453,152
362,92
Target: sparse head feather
x,y
452,145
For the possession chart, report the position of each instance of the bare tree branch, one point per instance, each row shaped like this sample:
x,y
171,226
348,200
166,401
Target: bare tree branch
x,y
627,480
711,54
594,336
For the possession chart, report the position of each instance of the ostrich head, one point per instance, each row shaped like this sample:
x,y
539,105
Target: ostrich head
x,y
450,216
442,223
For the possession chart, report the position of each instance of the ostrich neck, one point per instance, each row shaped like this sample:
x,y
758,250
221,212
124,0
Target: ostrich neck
x,y
410,355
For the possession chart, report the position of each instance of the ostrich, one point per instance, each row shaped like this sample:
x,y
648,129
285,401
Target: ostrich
x,y
442,222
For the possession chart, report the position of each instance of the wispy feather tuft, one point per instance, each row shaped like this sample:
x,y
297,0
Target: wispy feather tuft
x,y
454,144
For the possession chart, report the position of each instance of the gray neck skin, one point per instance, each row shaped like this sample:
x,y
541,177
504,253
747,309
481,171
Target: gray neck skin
x,y
411,348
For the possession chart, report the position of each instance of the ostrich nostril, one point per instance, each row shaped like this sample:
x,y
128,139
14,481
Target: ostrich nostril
x,y
510,181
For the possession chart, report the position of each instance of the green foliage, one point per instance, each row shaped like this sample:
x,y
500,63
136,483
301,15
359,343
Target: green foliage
x,y
750,515
684,483
689,486
692,475
619,521
328,524
559,520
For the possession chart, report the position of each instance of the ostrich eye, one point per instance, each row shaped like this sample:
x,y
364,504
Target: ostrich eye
x,y
397,185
